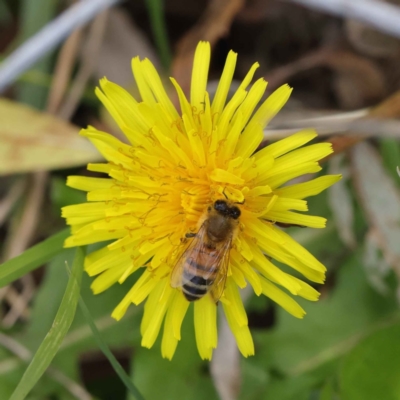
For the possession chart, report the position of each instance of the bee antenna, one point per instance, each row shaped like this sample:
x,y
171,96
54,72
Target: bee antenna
x,y
223,192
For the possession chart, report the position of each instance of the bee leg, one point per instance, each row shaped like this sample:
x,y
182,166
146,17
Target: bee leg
x,y
190,235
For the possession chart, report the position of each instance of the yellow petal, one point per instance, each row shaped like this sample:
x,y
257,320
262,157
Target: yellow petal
x,y
290,143
108,278
201,64
224,85
272,272
307,154
251,101
280,297
297,250
169,340
307,189
155,83
154,312
180,306
289,217
249,76
271,106
283,253
84,210
241,332
205,324
220,175
285,203
289,174
144,88
132,295
236,304
249,273
85,183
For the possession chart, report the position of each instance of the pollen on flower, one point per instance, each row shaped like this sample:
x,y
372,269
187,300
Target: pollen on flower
x,y
157,205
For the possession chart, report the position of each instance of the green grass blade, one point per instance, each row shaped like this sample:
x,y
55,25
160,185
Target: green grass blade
x,y
62,322
32,258
34,15
157,20
107,352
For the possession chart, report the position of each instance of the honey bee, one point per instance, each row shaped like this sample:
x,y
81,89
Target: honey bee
x,y
203,265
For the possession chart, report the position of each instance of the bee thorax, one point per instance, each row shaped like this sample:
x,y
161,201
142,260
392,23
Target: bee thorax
x,y
219,228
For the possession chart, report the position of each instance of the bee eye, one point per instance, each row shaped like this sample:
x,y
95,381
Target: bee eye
x,y
235,213
221,206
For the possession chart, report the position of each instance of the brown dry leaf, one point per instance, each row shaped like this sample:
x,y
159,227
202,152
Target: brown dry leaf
x,y
35,141
214,24
380,198
358,81
122,41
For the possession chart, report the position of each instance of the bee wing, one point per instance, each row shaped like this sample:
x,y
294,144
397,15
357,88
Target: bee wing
x,y
218,286
191,251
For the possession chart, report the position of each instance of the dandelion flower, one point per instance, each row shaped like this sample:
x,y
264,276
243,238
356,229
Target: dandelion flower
x,y
173,168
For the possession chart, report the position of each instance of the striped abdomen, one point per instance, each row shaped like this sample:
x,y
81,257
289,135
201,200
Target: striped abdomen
x,y
199,273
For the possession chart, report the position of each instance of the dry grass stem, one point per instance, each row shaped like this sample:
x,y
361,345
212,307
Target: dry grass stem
x,y
19,301
9,200
63,71
89,59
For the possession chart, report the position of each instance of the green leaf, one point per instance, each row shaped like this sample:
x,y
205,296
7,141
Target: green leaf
x,y
55,336
32,258
333,325
372,369
298,388
33,16
119,335
48,297
62,195
107,352
328,391
304,353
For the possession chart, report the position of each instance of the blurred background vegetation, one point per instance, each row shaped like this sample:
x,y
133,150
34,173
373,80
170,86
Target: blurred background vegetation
x,y
346,79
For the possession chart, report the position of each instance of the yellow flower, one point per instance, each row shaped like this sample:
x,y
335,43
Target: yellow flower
x,y
162,183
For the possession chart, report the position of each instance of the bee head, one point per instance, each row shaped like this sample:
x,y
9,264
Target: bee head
x,y
222,207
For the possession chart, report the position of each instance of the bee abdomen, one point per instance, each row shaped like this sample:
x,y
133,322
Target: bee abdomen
x,y
196,288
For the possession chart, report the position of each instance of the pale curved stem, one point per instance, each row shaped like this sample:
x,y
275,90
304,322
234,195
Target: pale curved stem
x,y
49,37
383,16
